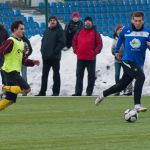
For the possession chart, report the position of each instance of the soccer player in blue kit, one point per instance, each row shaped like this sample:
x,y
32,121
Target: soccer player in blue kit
x,y
136,39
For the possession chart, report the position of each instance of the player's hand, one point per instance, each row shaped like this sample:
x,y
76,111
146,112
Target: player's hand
x,y
148,44
36,62
118,56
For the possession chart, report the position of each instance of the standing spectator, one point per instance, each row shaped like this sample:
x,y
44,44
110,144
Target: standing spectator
x,y
72,27
127,91
53,42
87,44
137,39
3,34
28,51
3,37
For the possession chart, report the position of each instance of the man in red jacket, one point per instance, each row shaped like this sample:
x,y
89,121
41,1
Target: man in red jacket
x,y
86,45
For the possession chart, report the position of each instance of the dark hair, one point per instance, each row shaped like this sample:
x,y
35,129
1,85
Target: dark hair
x,y
15,25
131,15
138,14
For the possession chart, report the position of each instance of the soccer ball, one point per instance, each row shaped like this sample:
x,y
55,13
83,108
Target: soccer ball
x,y
131,115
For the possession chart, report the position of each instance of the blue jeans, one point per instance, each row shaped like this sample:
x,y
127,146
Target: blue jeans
x,y
117,71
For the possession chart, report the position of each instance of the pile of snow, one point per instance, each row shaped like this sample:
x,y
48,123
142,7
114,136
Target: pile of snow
x,y
104,67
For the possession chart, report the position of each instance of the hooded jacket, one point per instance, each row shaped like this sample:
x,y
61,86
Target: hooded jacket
x,y
87,44
135,44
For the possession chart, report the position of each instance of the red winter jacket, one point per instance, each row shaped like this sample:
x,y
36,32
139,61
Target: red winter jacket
x,y
87,44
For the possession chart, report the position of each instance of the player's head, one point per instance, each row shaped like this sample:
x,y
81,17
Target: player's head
x,y
17,29
138,19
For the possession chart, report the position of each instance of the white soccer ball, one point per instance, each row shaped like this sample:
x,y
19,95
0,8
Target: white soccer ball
x,y
131,115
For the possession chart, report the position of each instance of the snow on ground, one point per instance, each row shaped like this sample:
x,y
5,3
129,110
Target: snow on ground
x,y
104,70
104,66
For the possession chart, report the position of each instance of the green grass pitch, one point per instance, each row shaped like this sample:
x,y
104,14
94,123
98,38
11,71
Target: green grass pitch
x,y
71,123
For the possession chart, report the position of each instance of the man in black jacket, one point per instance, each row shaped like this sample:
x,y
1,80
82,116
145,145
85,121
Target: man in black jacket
x,y
72,27
53,42
3,37
28,52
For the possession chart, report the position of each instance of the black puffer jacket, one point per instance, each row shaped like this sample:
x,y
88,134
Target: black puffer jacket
x,y
53,42
3,37
3,34
70,30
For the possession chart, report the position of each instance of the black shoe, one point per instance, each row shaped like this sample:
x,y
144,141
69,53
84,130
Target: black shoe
x,y
55,94
88,94
76,94
128,94
117,94
24,94
41,94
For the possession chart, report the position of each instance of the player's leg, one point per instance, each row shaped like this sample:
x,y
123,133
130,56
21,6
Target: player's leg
x,y
16,84
10,97
8,100
5,103
139,82
121,85
137,73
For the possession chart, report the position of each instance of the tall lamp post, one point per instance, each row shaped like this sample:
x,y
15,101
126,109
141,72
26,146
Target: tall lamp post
x,y
46,12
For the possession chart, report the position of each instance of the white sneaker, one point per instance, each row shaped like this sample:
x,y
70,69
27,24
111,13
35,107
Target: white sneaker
x,y
140,108
99,99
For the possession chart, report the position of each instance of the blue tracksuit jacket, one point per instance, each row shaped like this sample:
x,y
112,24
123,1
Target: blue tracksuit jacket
x,y
135,44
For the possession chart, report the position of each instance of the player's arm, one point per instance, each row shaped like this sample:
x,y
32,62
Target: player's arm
x,y
29,62
6,47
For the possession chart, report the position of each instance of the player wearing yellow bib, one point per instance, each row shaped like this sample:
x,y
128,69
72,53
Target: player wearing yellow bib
x,y
13,52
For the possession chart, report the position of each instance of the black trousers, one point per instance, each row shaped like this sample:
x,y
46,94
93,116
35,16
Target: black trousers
x,y
47,64
131,71
81,65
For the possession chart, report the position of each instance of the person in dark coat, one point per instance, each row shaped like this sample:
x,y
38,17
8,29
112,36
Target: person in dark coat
x,y
53,42
87,43
72,27
3,37
28,52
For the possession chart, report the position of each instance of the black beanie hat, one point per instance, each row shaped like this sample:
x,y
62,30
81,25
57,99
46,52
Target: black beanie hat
x,y
88,18
53,17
